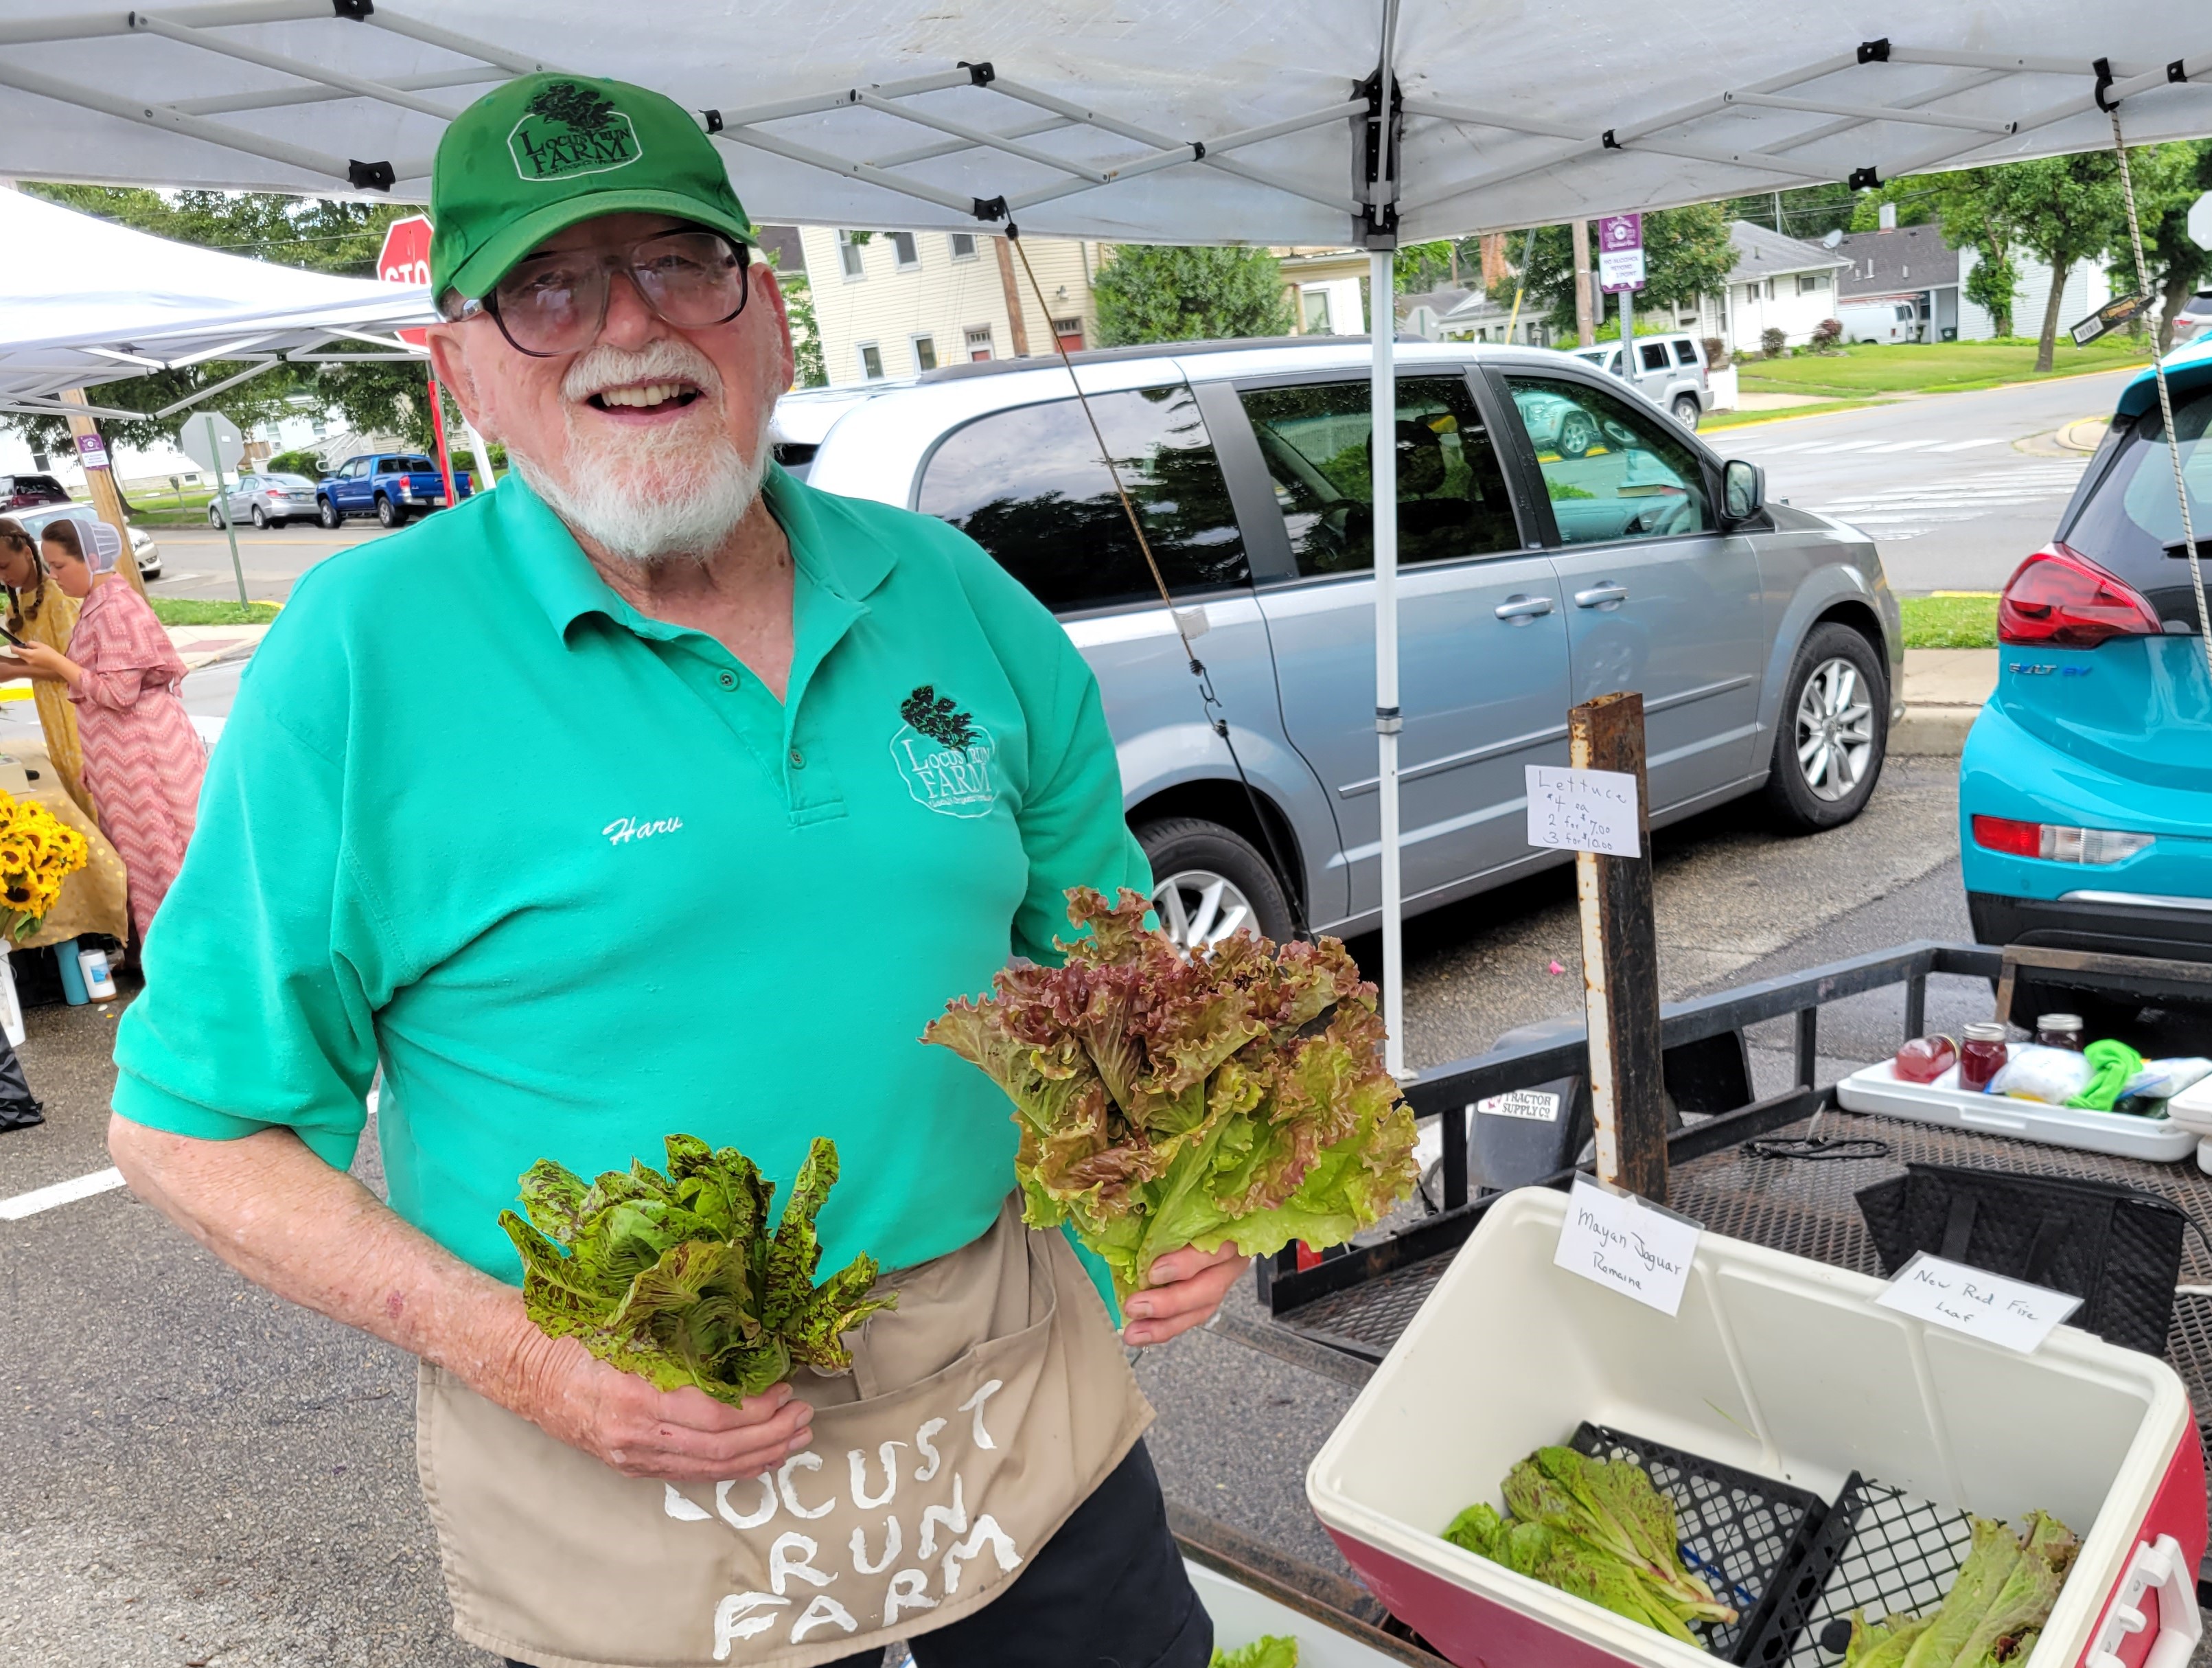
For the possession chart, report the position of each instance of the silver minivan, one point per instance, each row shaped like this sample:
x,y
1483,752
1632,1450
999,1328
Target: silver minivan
x,y
1559,539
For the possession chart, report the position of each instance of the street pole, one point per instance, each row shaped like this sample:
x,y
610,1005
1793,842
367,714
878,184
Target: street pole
x,y
222,507
1585,322
1628,335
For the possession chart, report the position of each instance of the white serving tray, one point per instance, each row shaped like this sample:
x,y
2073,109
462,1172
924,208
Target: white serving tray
x,y
1877,1088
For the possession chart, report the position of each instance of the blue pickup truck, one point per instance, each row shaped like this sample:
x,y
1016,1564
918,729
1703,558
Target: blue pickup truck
x,y
389,485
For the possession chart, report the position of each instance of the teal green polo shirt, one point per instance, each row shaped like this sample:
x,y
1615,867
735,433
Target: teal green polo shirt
x,y
576,879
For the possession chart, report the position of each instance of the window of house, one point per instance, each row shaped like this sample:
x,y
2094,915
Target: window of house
x,y
1654,355
1069,333
848,256
1452,496
872,361
1027,485
1315,304
1769,290
904,255
964,245
1611,470
925,353
1810,283
979,342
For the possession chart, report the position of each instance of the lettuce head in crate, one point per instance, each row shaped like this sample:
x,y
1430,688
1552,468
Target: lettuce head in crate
x,y
1232,1096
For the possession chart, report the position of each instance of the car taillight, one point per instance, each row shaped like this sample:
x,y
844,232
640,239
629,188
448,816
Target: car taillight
x,y
2061,599
2055,843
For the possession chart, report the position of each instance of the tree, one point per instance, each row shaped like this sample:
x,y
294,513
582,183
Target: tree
x,y
1973,206
1687,254
2065,209
1152,292
2168,179
807,368
1808,212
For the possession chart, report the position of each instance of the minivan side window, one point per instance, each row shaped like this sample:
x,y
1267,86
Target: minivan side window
x,y
1451,494
1028,485
1612,471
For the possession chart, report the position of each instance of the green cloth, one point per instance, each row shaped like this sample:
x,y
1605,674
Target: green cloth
x,y
579,879
542,152
2116,1064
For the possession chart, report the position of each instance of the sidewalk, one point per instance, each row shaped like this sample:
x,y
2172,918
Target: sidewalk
x,y
1944,689
204,645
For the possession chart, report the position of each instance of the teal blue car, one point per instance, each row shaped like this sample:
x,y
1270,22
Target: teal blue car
x,y
2084,793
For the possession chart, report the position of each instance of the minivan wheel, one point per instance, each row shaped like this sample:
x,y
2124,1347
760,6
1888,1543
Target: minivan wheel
x,y
1210,884
1687,410
1833,733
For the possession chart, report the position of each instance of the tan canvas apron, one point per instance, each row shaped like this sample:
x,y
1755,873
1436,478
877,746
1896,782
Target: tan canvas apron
x,y
979,1414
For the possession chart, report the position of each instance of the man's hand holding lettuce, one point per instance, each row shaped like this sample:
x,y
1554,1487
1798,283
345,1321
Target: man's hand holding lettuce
x,y
1234,1096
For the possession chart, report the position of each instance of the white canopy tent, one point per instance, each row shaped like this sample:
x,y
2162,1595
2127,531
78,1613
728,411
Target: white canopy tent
x,y
1194,121
85,301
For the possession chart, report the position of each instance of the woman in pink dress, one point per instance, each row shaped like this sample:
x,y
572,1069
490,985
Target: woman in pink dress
x,y
143,759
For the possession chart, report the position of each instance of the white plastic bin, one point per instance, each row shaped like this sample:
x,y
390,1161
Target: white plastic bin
x,y
1878,1088
1775,1364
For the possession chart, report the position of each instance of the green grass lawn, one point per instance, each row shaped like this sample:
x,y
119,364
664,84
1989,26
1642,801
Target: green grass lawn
x,y
186,611
1950,621
1935,368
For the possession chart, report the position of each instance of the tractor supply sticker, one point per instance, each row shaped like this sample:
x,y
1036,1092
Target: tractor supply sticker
x,y
1539,1105
569,130
945,757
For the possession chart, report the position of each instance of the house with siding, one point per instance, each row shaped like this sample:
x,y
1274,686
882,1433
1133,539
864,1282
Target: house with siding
x,y
1778,283
1912,264
890,305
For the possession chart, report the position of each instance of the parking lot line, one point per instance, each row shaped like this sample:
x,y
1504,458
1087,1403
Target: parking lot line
x,y
61,1193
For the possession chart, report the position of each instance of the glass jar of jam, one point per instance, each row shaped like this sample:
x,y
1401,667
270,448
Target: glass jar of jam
x,y
1924,1059
1981,1057
2059,1030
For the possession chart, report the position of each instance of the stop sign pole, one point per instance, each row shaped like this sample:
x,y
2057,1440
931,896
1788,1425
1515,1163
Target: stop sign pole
x,y
405,259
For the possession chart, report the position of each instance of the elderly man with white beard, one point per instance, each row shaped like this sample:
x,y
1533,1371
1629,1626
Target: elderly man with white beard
x,y
690,798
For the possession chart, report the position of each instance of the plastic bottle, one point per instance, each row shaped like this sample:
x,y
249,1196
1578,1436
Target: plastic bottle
x,y
98,978
1924,1059
66,964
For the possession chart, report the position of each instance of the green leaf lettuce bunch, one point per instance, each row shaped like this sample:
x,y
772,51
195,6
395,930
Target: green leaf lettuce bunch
x,y
681,1278
1268,1650
1234,1095
1598,1529
1994,1612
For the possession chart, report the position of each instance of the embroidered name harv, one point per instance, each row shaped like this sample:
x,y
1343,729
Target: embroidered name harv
x,y
623,829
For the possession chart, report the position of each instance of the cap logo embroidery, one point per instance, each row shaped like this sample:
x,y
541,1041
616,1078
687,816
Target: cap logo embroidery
x,y
945,756
569,130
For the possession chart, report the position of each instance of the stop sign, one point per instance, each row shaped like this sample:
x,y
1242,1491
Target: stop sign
x,y
2200,221
405,259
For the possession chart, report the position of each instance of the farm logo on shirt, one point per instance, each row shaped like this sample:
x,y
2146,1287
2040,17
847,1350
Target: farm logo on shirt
x,y
946,756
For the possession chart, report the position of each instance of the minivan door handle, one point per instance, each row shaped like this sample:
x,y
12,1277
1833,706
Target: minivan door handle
x,y
1518,609
1599,596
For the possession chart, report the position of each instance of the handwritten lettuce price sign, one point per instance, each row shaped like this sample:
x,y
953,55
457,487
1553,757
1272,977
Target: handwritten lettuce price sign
x,y
1621,1242
1583,811
2010,1313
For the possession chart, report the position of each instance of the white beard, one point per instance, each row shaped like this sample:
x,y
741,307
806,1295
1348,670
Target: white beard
x,y
642,495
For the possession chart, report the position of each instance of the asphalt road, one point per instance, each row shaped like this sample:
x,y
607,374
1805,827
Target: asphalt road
x,y
196,560
1942,482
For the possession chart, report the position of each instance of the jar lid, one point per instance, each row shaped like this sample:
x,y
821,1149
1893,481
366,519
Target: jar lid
x,y
2058,1022
1986,1031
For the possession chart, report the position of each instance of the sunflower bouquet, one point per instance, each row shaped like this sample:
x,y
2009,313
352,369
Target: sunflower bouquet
x,y
38,852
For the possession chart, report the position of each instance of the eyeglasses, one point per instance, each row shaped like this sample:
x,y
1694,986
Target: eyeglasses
x,y
554,304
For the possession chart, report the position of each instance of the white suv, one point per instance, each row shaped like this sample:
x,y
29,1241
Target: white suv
x,y
1670,372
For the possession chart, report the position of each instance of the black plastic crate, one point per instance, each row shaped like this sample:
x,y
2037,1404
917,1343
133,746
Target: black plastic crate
x,y
1748,1536
1880,1551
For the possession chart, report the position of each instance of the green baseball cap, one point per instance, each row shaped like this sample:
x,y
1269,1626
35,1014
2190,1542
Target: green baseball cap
x,y
545,151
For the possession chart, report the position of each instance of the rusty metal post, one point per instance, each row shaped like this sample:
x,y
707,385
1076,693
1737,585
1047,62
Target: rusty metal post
x,y
1620,963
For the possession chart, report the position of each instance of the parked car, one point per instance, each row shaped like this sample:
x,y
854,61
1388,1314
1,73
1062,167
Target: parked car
x,y
143,551
1670,372
2085,791
389,485
1880,322
2195,320
1764,639
267,501
21,492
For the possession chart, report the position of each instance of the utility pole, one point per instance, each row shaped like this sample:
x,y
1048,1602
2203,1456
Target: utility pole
x,y
100,480
1586,323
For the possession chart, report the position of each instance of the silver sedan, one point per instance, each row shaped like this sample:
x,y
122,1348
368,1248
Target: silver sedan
x,y
266,501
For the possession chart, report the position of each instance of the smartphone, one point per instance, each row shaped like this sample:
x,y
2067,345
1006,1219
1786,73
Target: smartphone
x,y
11,636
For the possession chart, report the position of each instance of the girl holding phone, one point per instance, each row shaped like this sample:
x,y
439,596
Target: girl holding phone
x,y
39,611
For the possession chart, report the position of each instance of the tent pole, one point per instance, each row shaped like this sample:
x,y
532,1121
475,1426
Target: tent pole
x,y
1382,287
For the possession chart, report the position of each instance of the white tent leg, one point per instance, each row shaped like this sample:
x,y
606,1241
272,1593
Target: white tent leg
x,y
1382,319
483,457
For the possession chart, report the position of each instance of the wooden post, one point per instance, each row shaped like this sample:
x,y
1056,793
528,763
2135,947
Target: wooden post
x,y
1018,327
1620,963
99,479
1585,315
